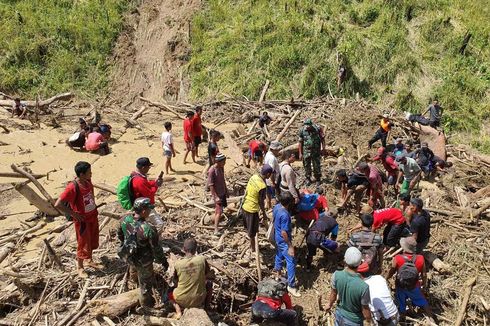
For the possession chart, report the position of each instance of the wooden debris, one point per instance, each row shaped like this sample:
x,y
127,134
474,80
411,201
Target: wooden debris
x,y
462,309
115,305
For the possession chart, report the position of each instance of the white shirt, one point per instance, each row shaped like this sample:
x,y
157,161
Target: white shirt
x,y
272,161
167,140
381,299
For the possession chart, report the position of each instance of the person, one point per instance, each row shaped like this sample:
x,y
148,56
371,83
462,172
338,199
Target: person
x,y
78,202
197,130
370,243
375,184
253,202
168,146
403,202
19,109
288,178
96,141
79,137
419,223
341,179
256,152
311,144
317,236
192,277
382,132
389,165
399,149
189,137
357,183
383,309
142,187
407,285
317,201
264,120
271,295
352,292
424,157
410,171
271,160
217,187
435,116
213,149
284,242
148,249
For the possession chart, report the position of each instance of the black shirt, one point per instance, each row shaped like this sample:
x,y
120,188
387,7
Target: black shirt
x,y
435,112
264,120
357,179
421,225
321,228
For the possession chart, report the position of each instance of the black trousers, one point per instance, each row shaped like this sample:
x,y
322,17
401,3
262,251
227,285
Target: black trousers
x,y
392,234
379,135
262,311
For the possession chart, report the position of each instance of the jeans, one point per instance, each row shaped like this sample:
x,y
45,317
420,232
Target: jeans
x,y
342,321
281,255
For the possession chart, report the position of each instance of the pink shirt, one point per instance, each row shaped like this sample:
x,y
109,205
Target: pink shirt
x,y
93,141
374,177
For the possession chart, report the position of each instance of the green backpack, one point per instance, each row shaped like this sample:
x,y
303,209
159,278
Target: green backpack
x,y
125,192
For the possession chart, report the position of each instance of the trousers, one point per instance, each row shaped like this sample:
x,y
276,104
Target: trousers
x,y
146,280
379,135
281,256
308,162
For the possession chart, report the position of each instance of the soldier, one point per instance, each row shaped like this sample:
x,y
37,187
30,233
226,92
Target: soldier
x,y
140,247
311,144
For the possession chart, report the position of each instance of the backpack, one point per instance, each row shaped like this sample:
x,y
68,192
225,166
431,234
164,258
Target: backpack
x,y
125,192
408,275
369,251
270,288
127,251
77,193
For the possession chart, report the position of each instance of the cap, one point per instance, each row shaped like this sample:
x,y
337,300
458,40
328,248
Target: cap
x,y
417,202
142,202
408,244
381,150
363,268
220,157
353,257
143,161
275,145
266,169
308,121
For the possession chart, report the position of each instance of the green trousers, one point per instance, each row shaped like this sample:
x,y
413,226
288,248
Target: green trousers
x,y
146,280
308,162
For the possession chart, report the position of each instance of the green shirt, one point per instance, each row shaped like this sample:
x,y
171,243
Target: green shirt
x,y
353,293
191,281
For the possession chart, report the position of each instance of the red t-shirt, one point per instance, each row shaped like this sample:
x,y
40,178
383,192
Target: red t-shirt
x,y
254,146
389,164
142,187
196,126
84,202
419,262
320,205
188,130
277,303
387,216
93,141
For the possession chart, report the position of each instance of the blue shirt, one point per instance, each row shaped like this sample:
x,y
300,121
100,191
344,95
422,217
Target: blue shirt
x,y
282,222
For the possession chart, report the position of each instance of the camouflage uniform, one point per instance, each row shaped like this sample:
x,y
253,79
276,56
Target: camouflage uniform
x,y
311,140
148,251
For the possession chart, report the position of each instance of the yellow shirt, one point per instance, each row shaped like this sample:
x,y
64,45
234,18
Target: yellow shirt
x,y
254,186
191,287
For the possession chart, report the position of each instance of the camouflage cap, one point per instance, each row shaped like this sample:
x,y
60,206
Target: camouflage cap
x,y
308,121
141,203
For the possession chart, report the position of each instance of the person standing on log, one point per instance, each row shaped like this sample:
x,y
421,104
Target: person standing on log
x,y
383,131
271,160
189,137
410,171
136,232
78,202
217,186
435,116
197,129
419,223
19,109
311,144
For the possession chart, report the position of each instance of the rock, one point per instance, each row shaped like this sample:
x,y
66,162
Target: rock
x,y
195,317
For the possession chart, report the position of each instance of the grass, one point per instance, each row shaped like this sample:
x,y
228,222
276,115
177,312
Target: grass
x,y
400,54
51,46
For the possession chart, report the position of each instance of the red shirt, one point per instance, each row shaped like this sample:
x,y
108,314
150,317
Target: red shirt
x,y
320,205
389,164
93,141
188,130
196,126
374,177
419,262
387,216
84,202
142,187
254,146
277,303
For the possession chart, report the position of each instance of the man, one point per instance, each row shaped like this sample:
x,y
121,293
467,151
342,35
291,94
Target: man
x,y
369,243
284,246
317,237
341,179
403,202
271,160
435,116
254,201
357,183
217,187
400,148
78,139
419,223
382,133
19,109
97,141
311,144
407,285
256,152
311,205
424,157
213,149
168,146
271,294
352,292
389,164
410,171
264,120
142,187
288,178
78,202
381,304
189,137
148,249
197,129
191,275
375,184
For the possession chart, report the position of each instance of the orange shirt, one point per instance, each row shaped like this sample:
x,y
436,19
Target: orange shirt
x,y
385,124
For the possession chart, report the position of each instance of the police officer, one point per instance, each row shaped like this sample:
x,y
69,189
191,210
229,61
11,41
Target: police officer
x,y
311,143
141,247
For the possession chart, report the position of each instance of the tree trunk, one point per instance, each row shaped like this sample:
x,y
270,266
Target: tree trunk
x,y
115,305
36,200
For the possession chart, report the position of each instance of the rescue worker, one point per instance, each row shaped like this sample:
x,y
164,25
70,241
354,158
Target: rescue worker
x,y
382,133
317,237
311,144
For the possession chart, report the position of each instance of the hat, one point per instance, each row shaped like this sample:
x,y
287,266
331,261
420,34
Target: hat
x,y
386,115
220,157
308,121
275,145
143,161
266,169
424,145
366,209
141,203
353,257
363,268
381,150
417,202
408,244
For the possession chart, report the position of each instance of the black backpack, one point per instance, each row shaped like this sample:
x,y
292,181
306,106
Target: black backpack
x,y
408,275
369,251
77,193
127,251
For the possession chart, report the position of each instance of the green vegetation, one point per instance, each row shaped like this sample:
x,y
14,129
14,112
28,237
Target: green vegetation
x,y
50,46
399,53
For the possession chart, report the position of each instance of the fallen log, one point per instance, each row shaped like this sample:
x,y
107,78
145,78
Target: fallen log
x,y
53,255
462,309
162,106
115,305
286,127
39,104
6,250
36,200
15,237
19,175
435,262
231,200
139,113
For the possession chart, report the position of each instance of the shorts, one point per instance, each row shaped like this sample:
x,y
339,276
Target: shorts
x,y
271,192
251,223
189,145
415,295
167,153
219,207
258,154
197,140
